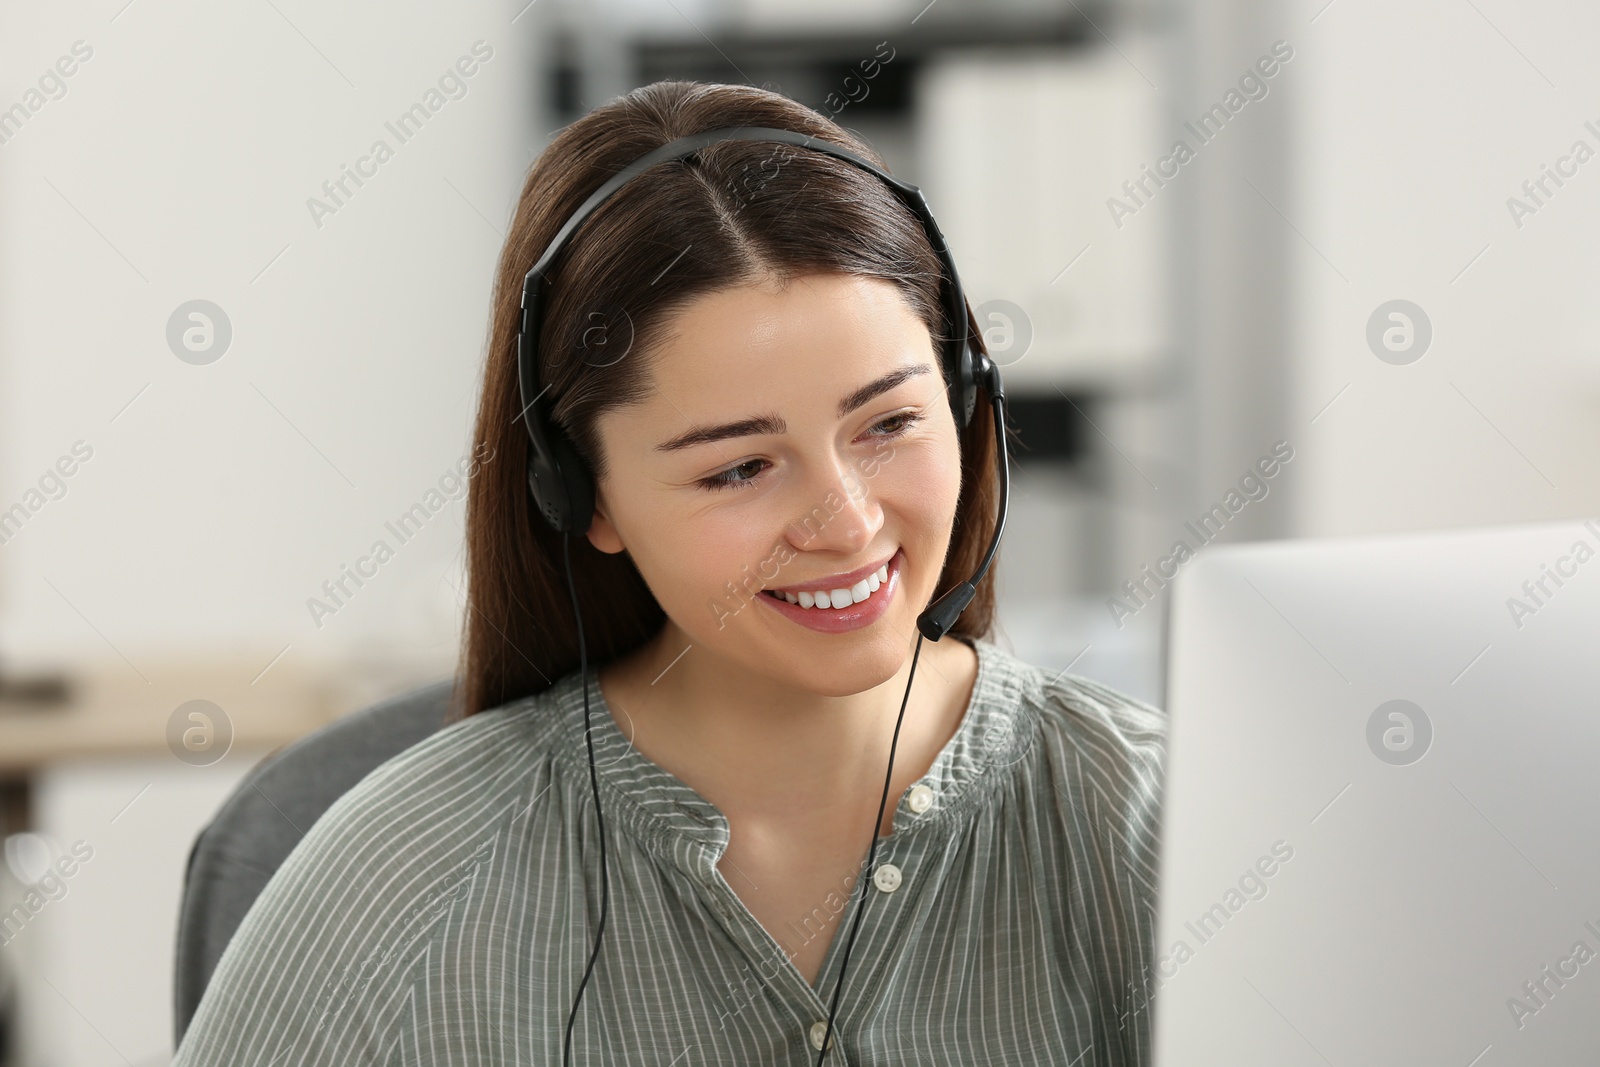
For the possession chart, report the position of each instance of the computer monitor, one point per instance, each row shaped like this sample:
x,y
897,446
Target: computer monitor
x,y
1381,823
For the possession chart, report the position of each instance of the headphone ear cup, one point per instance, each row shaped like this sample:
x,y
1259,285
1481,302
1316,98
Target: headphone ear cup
x,y
577,486
560,483
964,379
548,496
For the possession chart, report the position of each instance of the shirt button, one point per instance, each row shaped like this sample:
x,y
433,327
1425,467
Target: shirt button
x,y
921,798
817,1030
886,877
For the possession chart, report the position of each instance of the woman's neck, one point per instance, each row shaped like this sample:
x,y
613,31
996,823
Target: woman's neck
x,y
760,750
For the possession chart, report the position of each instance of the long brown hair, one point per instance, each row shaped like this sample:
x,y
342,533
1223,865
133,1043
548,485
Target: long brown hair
x,y
735,213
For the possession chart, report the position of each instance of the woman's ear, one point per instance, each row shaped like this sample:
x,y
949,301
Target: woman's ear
x,y
602,533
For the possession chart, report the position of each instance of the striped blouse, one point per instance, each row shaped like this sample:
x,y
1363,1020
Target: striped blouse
x,y
444,909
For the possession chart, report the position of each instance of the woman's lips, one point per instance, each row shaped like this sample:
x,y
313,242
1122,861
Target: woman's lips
x,y
837,581
843,620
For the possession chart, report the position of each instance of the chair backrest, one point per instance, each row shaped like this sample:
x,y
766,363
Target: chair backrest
x,y
268,814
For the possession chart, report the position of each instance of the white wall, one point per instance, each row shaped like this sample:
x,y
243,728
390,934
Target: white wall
x,y
178,165
1415,124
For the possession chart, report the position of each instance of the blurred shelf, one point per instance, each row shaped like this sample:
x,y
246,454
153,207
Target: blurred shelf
x,y
757,46
806,61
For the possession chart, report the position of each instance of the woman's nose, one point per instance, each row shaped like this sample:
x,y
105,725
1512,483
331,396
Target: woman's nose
x,y
840,512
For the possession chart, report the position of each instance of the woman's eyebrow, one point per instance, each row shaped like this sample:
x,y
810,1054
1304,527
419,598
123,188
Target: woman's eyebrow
x,y
773,424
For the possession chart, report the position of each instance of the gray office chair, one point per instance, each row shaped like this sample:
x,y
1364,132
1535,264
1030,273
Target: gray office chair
x,y
268,813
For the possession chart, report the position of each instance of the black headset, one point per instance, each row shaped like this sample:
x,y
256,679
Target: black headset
x,y
563,487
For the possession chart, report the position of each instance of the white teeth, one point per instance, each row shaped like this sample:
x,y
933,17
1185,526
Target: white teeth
x,y
840,598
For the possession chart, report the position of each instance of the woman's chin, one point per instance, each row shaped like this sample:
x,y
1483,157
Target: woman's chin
x,y
850,669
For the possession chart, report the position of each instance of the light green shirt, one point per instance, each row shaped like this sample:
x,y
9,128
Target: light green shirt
x,y
444,909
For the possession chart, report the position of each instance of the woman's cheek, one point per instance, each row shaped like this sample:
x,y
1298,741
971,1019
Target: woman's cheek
x,y
722,576
734,558
874,463
768,568
929,499
924,480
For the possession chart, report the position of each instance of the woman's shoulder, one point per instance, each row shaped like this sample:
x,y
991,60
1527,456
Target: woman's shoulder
x,y
322,953
458,786
1082,714
1100,765
1092,711
507,735
1101,750
461,764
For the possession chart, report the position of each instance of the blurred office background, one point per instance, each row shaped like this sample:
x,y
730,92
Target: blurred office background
x,y
1331,277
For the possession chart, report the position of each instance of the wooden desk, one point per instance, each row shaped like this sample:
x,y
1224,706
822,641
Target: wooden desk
x,y
112,710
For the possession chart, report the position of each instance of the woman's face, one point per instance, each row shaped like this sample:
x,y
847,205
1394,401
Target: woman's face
x,y
741,473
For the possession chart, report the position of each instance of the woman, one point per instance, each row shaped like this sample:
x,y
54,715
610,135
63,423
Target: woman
x,y
742,349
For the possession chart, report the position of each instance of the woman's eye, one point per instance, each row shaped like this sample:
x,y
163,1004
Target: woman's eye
x,y
731,478
907,419
728,480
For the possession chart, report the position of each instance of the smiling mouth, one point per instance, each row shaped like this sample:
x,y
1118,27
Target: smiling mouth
x,y
840,597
